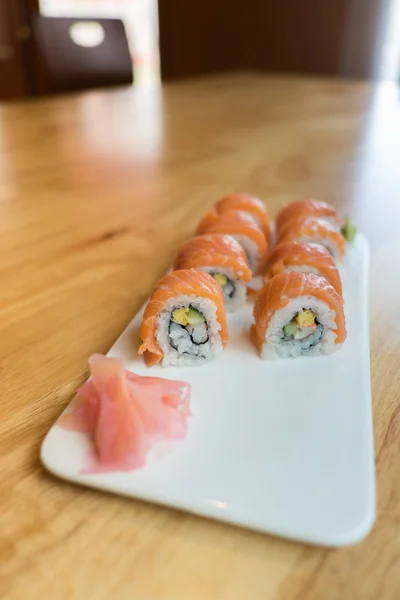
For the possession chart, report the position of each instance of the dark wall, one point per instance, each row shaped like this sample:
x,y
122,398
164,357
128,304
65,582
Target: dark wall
x,y
200,37
310,36
295,35
16,76
12,73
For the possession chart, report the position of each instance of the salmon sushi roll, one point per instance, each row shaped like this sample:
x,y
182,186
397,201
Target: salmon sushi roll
x,y
250,205
304,258
315,231
298,314
224,259
244,229
209,219
184,322
308,208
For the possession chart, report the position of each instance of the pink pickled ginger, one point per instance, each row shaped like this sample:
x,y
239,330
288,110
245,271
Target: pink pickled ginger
x,y
126,414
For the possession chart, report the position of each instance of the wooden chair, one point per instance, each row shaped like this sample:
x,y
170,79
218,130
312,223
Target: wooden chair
x,y
63,65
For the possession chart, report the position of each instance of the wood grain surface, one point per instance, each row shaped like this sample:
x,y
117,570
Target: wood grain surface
x,y
97,191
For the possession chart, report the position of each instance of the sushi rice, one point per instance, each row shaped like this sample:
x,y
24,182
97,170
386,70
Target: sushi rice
x,y
191,345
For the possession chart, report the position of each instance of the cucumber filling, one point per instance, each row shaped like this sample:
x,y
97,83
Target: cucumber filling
x,y
228,287
304,327
188,330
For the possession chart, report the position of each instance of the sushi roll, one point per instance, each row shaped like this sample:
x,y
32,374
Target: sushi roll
x,y
308,208
248,204
244,229
316,231
305,258
224,259
184,322
298,314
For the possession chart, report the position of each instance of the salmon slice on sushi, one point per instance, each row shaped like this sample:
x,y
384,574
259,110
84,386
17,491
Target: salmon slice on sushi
x,y
308,208
250,205
244,229
315,231
305,258
224,259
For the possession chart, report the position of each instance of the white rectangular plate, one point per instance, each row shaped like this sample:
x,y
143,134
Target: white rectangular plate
x,y
284,447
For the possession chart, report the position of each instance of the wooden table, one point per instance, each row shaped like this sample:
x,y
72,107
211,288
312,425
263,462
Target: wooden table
x,y
96,193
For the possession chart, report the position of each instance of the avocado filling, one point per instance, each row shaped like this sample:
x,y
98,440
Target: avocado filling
x,y
303,325
228,287
187,330
348,230
187,315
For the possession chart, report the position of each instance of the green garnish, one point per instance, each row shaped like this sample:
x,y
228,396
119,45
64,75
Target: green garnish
x,y
348,230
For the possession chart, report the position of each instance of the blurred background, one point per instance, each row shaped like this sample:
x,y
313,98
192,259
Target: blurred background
x,y
56,46
140,18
